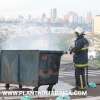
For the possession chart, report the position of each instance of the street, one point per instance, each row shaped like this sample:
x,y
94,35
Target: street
x,y
66,83
67,75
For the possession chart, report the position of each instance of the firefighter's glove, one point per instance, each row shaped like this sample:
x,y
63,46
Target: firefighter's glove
x,y
72,50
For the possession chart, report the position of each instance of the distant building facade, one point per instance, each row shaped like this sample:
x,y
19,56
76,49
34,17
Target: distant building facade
x,y
96,25
54,13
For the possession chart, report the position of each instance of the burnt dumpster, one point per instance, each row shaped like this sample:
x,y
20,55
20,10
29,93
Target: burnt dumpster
x,y
19,67
35,63
49,64
29,67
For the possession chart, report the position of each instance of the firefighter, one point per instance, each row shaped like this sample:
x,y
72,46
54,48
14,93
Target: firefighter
x,y
80,58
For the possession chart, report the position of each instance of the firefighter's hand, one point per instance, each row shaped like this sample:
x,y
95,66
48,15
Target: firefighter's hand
x,y
71,50
65,52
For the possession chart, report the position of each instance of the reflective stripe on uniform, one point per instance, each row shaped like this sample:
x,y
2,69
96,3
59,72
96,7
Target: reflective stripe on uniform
x,y
84,88
81,65
84,49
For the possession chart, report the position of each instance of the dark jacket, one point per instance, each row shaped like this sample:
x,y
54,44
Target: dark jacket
x,y
80,50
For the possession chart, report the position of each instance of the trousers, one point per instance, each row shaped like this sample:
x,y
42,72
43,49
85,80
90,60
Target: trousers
x,y
80,77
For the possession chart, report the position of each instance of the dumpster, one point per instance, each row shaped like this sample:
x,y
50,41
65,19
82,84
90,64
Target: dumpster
x,y
49,64
31,61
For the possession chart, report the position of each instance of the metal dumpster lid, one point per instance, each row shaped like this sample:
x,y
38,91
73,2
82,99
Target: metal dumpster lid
x,y
51,42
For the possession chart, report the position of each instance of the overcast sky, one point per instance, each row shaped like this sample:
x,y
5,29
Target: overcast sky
x,y
37,7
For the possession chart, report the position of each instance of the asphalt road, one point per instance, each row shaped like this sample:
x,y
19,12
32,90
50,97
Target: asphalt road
x,y
67,75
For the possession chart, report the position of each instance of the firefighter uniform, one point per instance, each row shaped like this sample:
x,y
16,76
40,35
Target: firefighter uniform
x,y
80,59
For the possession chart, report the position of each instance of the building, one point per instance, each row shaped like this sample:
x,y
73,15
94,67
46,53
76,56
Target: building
x,y
44,18
96,25
89,18
81,20
72,17
53,13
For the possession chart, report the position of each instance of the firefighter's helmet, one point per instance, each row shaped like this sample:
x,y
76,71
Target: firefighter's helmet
x,y
79,31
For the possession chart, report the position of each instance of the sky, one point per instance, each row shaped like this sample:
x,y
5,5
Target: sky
x,y
35,8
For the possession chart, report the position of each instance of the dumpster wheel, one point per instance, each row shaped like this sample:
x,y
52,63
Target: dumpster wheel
x,y
20,87
7,86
